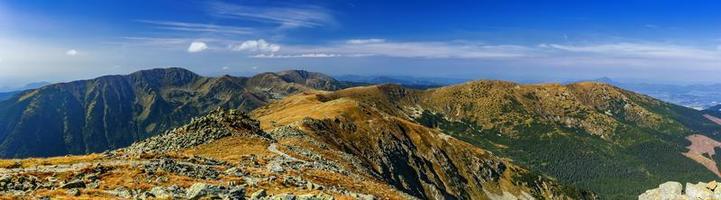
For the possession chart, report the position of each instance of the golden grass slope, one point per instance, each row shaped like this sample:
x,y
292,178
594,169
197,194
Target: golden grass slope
x,y
421,161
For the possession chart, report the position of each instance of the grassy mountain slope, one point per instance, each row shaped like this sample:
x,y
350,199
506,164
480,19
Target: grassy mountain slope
x,y
113,111
420,161
594,136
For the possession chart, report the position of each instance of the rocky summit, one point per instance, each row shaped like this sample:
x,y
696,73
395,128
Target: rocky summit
x,y
675,191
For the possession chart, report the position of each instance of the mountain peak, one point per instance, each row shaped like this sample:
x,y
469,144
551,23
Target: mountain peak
x,y
157,72
165,76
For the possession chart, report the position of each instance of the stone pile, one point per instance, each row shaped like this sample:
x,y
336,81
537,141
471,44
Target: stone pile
x,y
181,168
675,191
262,195
21,183
201,130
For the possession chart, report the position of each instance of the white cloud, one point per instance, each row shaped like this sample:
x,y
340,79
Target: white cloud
x,y
225,68
71,52
365,41
284,17
256,46
197,47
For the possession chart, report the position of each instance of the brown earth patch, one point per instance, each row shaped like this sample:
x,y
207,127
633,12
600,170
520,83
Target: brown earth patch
x,y
700,145
713,119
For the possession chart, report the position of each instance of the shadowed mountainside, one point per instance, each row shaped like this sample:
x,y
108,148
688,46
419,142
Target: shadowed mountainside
x,y
113,111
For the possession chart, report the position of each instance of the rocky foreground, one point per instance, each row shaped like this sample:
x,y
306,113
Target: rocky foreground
x,y
183,164
675,191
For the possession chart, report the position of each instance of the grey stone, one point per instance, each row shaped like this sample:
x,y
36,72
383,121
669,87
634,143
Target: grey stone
x,y
73,192
73,184
698,191
285,196
197,190
160,192
670,189
258,194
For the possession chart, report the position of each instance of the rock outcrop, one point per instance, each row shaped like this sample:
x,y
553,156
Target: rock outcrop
x,y
675,191
201,130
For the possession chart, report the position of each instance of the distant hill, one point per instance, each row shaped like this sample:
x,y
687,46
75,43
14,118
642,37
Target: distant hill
x,y
407,81
9,93
695,96
28,86
114,111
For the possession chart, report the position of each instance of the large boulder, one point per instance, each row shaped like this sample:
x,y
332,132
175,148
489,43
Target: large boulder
x,y
698,191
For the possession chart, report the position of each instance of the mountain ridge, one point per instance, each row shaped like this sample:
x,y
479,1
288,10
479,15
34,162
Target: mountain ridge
x,y
113,111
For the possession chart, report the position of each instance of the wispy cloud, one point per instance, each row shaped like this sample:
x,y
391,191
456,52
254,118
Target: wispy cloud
x,y
365,41
255,46
308,55
641,51
153,41
422,49
283,16
198,27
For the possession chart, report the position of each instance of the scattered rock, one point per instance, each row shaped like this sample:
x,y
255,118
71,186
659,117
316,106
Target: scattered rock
x,y
673,191
199,190
180,168
73,192
711,185
20,183
73,184
204,190
122,192
320,196
235,171
260,194
285,196
160,193
275,167
698,191
670,188
313,186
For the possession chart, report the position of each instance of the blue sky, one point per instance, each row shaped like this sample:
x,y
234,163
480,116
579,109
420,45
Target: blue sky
x,y
643,41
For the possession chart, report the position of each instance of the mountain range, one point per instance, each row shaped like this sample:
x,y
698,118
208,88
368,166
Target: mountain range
x,y
475,140
113,111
